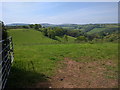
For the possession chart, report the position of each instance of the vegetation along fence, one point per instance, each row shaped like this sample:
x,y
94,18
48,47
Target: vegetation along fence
x,y
6,59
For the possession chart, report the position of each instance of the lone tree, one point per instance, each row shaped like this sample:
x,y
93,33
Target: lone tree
x,y
31,25
45,31
25,27
39,25
36,26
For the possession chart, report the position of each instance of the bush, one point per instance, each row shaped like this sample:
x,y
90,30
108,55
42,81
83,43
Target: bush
x,y
81,39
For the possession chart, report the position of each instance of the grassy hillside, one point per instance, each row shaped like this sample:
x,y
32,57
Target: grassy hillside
x,y
34,63
96,30
62,39
29,36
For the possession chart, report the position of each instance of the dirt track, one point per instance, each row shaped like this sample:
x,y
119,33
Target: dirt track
x,y
83,75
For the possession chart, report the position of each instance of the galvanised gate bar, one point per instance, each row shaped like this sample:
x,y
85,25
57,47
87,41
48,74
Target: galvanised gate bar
x,y
6,59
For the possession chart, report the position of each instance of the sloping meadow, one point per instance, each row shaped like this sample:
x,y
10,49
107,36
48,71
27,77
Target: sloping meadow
x,y
37,57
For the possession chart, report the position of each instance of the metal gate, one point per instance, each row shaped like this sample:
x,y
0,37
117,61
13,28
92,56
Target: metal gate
x,y
6,59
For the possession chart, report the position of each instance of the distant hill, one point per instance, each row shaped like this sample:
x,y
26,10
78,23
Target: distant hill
x,y
43,24
48,25
17,24
86,28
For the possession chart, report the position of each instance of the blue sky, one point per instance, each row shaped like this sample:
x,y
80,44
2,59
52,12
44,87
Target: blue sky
x,y
59,12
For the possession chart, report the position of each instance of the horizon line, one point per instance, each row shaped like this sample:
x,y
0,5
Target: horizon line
x,y
64,23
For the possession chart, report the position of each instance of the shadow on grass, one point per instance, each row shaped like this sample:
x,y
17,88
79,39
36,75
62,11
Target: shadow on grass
x,y
26,79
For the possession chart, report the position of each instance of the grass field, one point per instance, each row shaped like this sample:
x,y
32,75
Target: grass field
x,y
36,58
29,36
62,39
96,30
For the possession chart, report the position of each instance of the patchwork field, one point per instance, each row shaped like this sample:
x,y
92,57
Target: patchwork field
x,y
42,62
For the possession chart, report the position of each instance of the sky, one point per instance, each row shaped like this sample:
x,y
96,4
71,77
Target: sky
x,y
59,12
59,0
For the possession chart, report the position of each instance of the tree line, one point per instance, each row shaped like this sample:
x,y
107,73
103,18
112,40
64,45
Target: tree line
x,y
80,33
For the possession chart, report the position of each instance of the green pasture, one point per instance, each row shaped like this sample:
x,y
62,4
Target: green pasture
x,y
37,57
63,40
29,36
96,30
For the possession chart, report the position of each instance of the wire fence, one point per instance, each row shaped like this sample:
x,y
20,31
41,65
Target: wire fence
x,y
6,59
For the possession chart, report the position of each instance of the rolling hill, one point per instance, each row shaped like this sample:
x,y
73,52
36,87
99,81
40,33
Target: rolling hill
x,y
29,36
96,30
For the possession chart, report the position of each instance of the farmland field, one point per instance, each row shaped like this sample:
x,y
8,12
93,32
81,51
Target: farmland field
x,y
37,59
96,30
